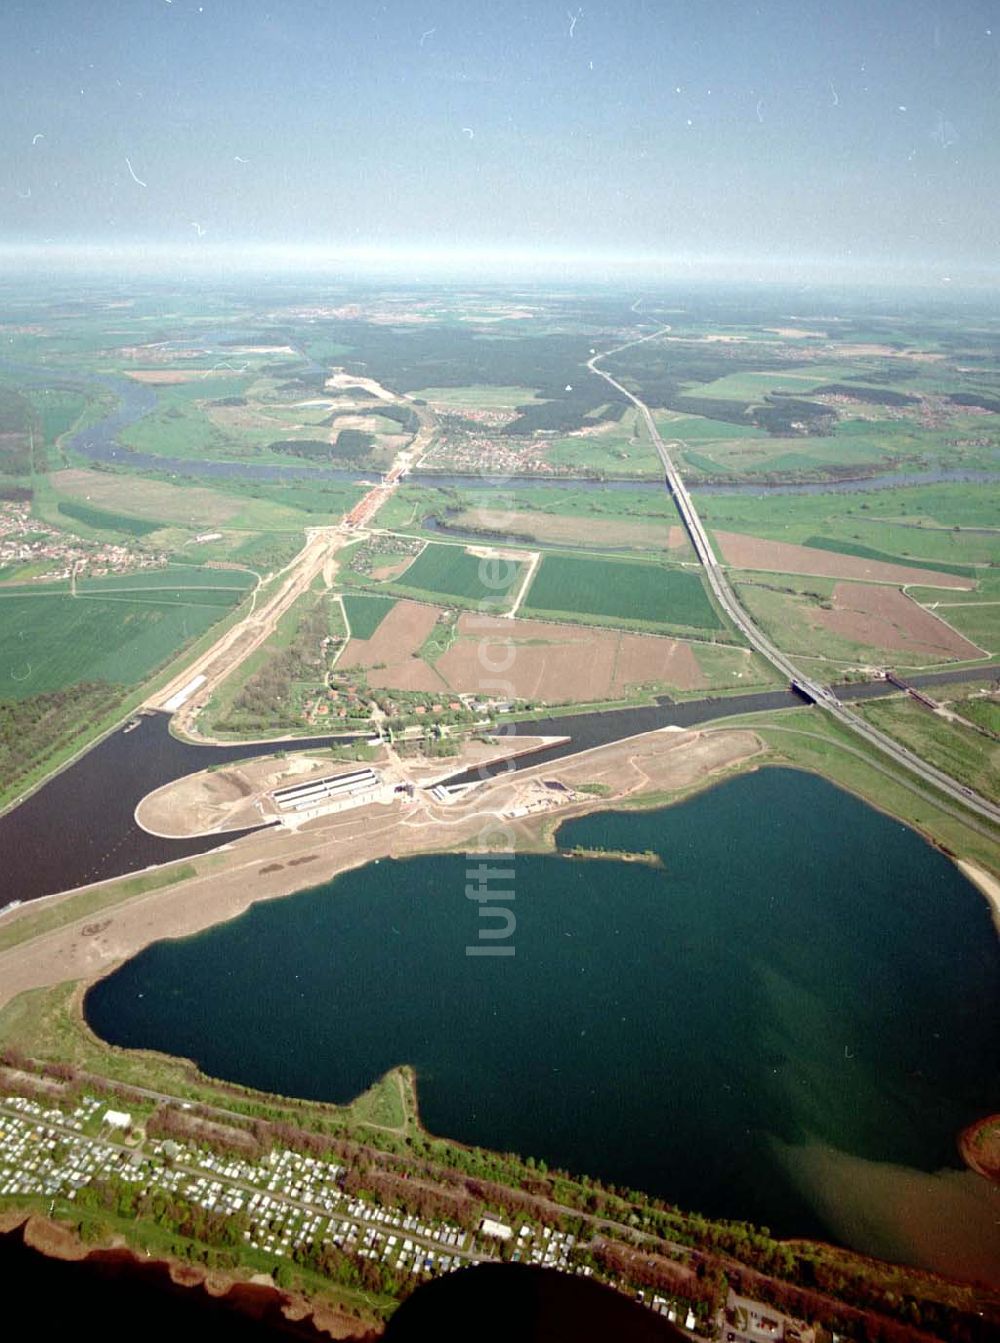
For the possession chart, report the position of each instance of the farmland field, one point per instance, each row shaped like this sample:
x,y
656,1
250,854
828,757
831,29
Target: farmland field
x,y
748,552
621,590
48,642
853,623
951,522
257,507
754,386
365,613
444,572
171,576
868,553
979,622
101,520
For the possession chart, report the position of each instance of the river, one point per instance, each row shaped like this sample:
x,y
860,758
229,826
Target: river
x,y
100,443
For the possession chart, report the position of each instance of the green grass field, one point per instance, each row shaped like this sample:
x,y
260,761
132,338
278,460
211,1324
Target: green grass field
x,y
50,639
447,572
621,590
58,409
753,386
623,450
365,613
929,522
980,623
985,713
966,755
171,576
673,424
868,553
101,520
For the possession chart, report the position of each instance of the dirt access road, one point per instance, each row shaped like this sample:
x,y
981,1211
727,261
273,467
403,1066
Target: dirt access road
x,y
243,638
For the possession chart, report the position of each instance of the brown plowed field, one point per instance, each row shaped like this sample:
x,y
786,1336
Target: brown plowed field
x,y
163,376
887,618
781,557
558,663
526,659
394,643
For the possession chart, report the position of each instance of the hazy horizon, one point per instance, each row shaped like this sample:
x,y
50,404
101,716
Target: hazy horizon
x,y
833,142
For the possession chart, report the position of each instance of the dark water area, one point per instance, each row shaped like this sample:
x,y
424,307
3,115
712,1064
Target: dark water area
x,y
80,826
132,1298
500,1303
804,992
124,1297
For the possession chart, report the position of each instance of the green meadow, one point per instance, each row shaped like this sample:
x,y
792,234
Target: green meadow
x,y
447,573
365,612
118,630
626,592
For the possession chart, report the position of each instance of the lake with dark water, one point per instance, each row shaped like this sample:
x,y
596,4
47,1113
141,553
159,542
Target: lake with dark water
x,y
790,1021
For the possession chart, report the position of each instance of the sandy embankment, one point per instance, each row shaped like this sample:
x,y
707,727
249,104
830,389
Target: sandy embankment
x,y
986,883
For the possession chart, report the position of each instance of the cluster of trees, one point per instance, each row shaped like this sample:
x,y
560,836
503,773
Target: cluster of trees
x,y
186,1127
791,416
267,698
352,445
34,728
171,1212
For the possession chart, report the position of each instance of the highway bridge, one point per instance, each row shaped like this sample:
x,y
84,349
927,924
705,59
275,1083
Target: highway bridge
x,y
724,594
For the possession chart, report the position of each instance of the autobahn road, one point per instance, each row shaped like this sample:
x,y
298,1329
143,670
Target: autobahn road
x,y
718,580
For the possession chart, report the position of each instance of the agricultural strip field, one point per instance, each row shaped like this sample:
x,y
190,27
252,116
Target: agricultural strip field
x,y
449,572
954,523
639,518
866,552
747,552
546,662
365,613
852,622
230,507
572,530
100,520
52,642
623,591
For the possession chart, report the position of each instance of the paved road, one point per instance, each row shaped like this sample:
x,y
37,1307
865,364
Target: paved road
x,y
718,580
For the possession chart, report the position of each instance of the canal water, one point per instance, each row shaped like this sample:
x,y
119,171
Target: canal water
x,y
790,1021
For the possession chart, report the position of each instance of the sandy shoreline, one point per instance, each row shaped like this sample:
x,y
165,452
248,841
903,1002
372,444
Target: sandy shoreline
x,y
984,882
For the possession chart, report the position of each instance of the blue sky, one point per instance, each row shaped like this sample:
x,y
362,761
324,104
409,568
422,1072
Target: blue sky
x,y
841,133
